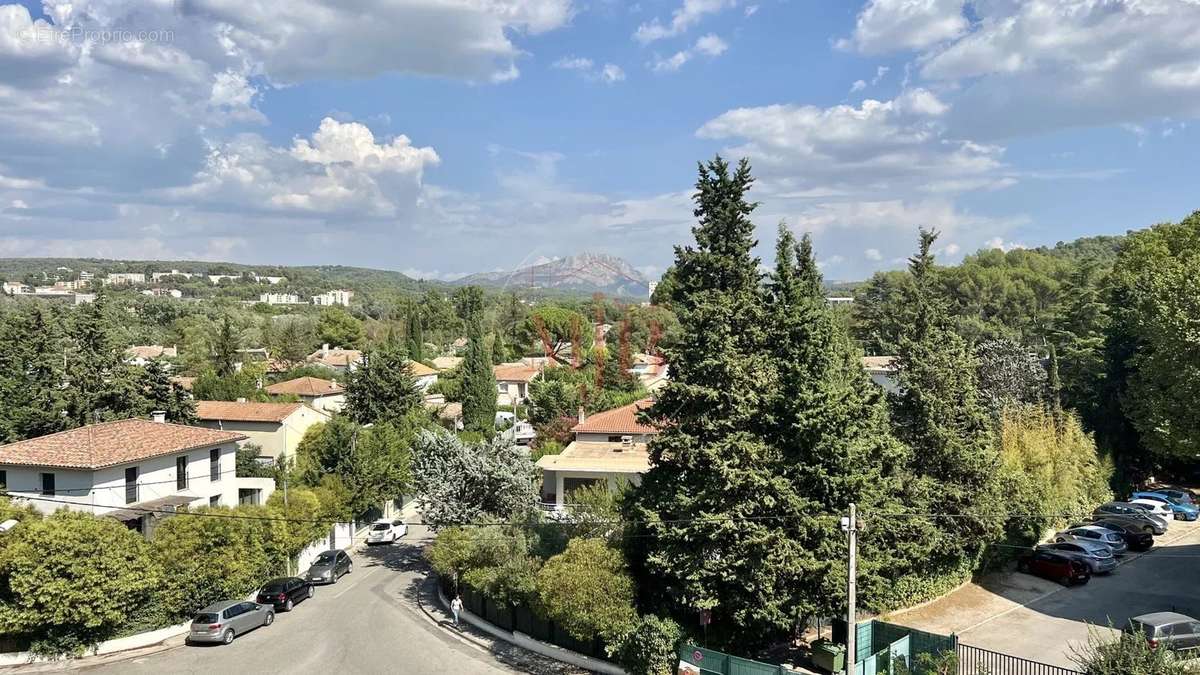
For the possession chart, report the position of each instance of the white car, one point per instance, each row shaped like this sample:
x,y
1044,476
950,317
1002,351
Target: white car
x,y
1155,508
384,531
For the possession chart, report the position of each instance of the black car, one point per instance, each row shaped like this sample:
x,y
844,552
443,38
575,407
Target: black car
x,y
1137,538
329,567
284,592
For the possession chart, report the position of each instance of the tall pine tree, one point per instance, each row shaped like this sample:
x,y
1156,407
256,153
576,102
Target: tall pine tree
x,y
162,394
478,381
710,503
31,375
830,427
383,388
937,412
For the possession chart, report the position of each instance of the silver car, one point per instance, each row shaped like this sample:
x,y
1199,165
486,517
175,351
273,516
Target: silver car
x,y
225,620
1097,534
1096,556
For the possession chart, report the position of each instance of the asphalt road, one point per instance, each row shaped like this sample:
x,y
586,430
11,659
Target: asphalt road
x,y
369,622
1048,628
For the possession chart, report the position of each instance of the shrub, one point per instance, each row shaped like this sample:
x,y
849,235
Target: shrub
x,y
72,580
587,590
1129,654
651,648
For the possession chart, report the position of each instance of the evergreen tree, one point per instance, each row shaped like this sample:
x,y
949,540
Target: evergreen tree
x,y
937,412
710,501
829,426
31,376
479,383
162,394
102,386
383,388
225,348
416,338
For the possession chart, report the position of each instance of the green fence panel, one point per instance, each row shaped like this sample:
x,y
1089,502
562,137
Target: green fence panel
x,y
740,666
864,641
710,662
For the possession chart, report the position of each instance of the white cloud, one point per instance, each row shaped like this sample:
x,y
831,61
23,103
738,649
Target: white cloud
x,y
341,169
708,45
878,146
858,85
1022,68
31,51
609,73
873,254
690,13
890,25
573,63
751,10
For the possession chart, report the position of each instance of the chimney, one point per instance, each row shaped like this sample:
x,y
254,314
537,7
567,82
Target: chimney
x,y
626,443
582,417
158,416
325,349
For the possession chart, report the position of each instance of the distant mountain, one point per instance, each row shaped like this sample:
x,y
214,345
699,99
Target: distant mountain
x,y
586,272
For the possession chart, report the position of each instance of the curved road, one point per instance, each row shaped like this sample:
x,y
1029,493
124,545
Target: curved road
x,y
369,622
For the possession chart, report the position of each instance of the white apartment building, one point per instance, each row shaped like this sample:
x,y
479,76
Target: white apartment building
x,y
280,299
329,298
119,278
155,276
135,470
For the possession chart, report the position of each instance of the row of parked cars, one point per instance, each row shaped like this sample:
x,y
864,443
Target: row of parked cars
x,y
223,621
1093,546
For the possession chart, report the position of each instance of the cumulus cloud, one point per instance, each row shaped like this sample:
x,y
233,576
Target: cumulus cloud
x,y
690,13
889,25
609,73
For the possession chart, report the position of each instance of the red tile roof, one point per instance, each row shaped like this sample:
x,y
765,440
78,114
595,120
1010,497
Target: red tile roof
x,y
306,386
514,372
621,420
96,446
252,411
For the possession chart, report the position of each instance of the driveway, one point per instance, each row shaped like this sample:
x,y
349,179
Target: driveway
x,y
371,621
1039,620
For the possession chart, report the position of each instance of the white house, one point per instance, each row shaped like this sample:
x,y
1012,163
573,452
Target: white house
x,y
324,395
425,375
338,297
275,427
125,278
135,470
882,370
839,300
608,446
279,298
512,382
155,276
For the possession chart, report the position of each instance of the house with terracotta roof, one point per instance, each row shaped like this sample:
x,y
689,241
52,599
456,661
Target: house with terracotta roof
x,y
135,470
425,375
444,363
337,359
140,355
276,428
650,370
512,382
882,370
609,447
324,395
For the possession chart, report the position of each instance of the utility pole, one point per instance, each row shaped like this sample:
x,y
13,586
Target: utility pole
x,y
851,526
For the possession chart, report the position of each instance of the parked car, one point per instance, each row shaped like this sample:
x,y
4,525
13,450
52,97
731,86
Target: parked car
x,y
1055,566
1155,508
1096,556
1131,514
384,531
1176,492
1135,537
1181,510
329,567
1093,533
225,620
283,593
1169,629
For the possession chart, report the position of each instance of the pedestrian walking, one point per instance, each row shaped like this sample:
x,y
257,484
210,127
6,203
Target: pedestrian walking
x,y
456,607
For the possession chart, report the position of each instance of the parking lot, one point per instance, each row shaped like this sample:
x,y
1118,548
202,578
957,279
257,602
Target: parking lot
x,y
1037,619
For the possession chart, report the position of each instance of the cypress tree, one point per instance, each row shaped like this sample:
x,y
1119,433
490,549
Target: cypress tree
x,y
416,338
937,412
829,424
478,383
709,505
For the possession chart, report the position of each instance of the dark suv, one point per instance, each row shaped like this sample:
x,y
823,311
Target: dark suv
x,y
284,592
1054,566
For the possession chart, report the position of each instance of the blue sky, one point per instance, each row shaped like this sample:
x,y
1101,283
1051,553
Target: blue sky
x,y
441,137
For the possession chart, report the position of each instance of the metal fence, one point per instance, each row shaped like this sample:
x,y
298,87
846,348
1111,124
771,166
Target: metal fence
x,y
712,662
972,660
